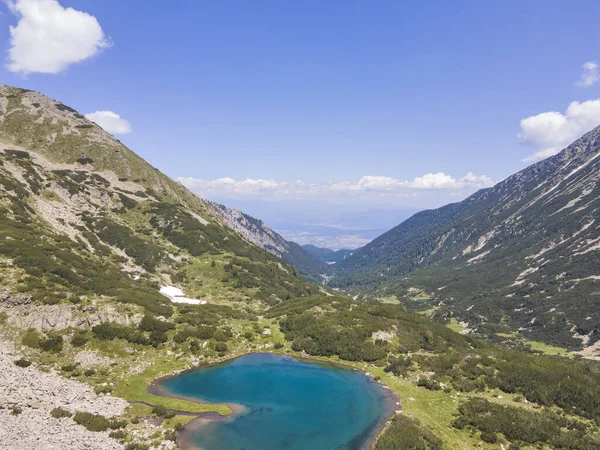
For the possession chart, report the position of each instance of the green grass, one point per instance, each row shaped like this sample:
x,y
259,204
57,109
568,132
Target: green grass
x,y
177,420
435,409
547,349
133,389
455,326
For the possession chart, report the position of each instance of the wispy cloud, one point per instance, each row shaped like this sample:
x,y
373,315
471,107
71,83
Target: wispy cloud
x,y
590,74
48,38
110,121
550,132
366,187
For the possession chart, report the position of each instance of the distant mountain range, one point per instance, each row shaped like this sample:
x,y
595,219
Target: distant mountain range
x,y
326,255
520,256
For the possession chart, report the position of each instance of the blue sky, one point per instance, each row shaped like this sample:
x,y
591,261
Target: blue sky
x,y
325,93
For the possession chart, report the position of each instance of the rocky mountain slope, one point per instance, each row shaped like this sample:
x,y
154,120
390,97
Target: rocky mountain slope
x,y
520,256
74,200
257,232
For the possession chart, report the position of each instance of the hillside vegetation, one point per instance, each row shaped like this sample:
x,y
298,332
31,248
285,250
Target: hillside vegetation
x,y
518,257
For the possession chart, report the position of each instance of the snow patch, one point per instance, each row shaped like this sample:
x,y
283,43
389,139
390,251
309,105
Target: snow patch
x,y
176,295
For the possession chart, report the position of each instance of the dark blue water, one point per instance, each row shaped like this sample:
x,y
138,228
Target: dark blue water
x,y
290,404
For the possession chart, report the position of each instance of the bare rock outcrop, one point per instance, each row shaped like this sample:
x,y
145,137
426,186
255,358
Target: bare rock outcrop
x,y
22,312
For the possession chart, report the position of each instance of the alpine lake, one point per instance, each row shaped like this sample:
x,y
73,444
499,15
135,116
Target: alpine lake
x,y
282,403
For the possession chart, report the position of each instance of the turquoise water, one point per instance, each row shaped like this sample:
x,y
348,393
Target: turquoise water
x,y
290,404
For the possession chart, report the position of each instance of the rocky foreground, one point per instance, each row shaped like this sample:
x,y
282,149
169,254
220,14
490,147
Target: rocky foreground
x,y
29,394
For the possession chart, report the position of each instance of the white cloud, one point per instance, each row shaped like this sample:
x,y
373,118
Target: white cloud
x,y
368,187
110,121
442,181
590,74
550,132
48,37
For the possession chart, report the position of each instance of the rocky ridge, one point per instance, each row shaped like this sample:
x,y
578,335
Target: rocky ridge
x,y
258,233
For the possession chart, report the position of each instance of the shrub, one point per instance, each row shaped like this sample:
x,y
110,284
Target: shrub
x,y
170,435
116,424
407,433
489,437
68,367
31,338
103,389
119,434
136,446
151,323
541,426
91,421
62,107
223,335
183,335
159,410
79,339
206,332
432,385
278,345
17,154
221,347
22,363
59,413
89,373
16,410
52,344
157,338
108,331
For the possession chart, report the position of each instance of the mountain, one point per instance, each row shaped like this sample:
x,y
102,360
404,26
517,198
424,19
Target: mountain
x,y
76,203
326,255
257,232
520,256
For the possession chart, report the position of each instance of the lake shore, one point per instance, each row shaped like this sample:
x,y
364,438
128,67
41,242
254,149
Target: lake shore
x,y
185,433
